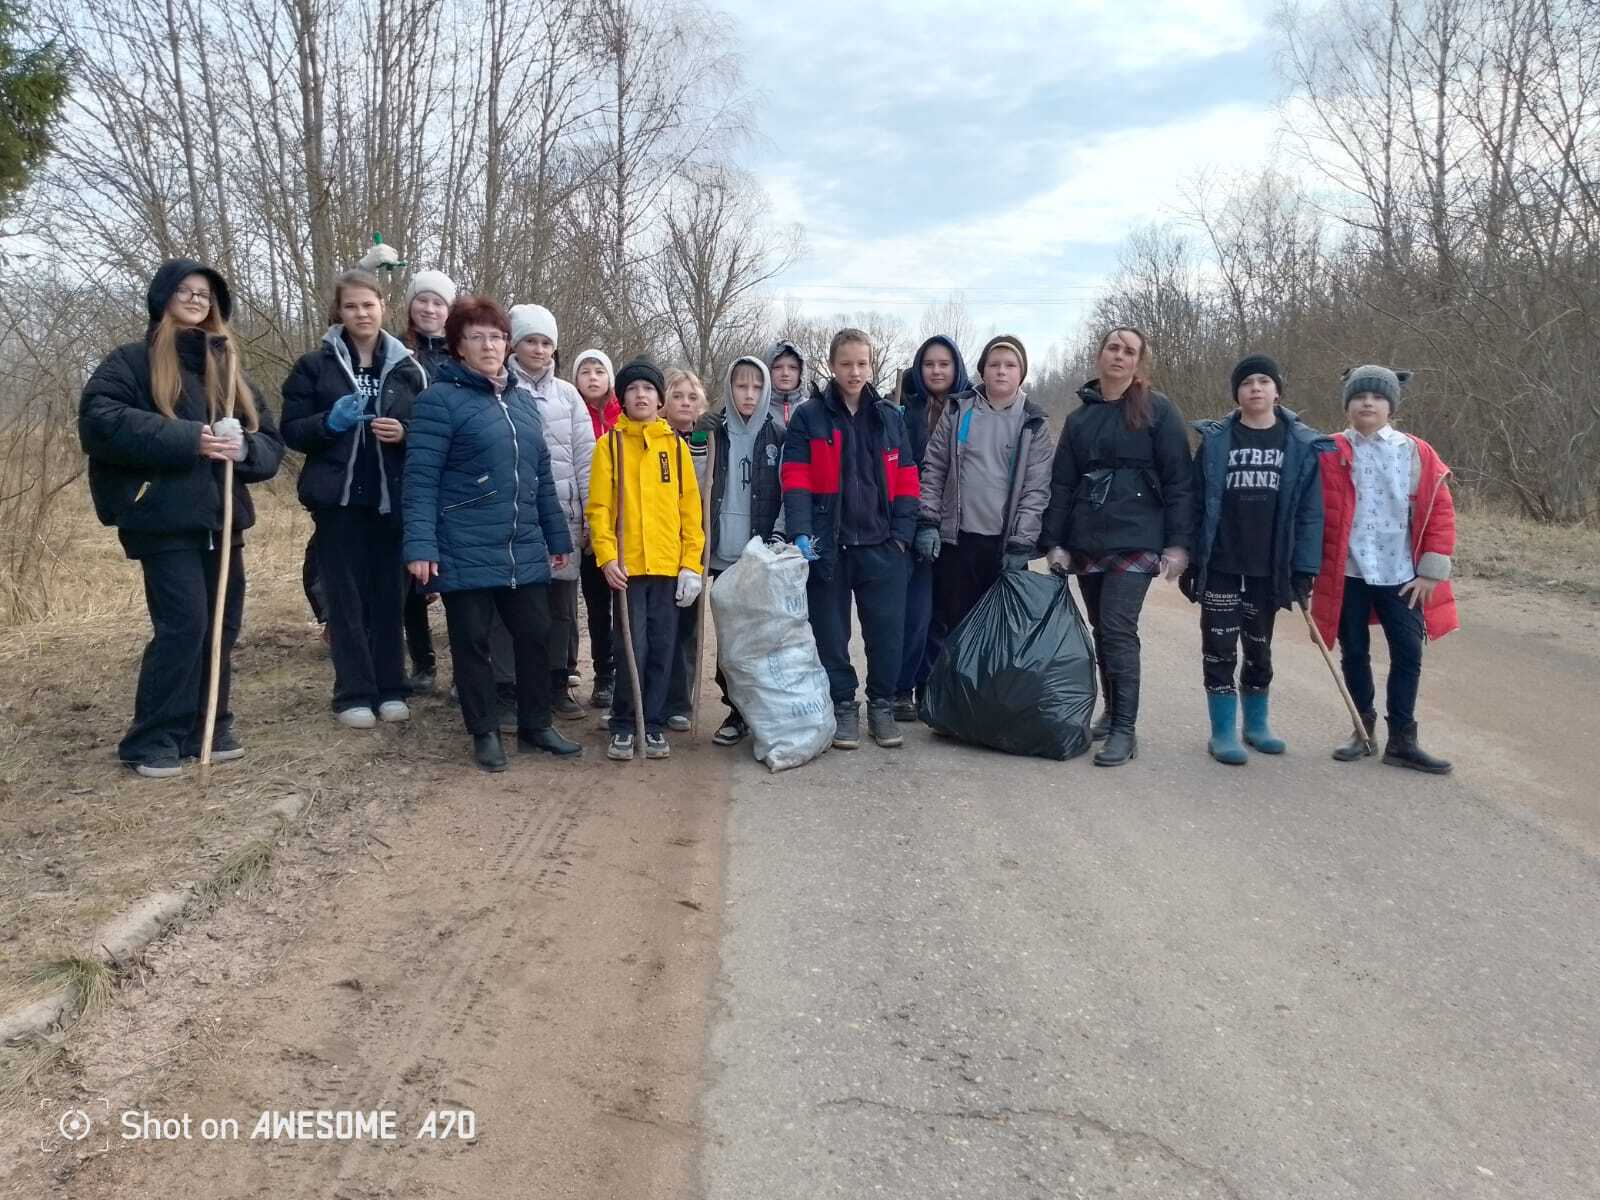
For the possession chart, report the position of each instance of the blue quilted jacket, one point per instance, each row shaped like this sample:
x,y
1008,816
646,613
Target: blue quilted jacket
x,y
479,498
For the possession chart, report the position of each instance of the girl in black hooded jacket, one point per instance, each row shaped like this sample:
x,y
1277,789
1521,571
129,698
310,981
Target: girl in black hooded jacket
x,y
151,422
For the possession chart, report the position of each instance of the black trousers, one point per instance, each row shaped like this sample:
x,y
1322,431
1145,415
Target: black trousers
x,y
180,592
964,572
1114,600
525,612
309,582
563,601
598,606
653,622
685,658
1235,605
1405,629
924,630
358,561
419,634
876,577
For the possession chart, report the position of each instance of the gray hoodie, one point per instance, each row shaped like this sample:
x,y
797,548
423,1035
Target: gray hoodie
x,y
786,402
733,518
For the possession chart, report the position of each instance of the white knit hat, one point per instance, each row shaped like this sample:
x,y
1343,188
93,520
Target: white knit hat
x,y
437,282
532,318
600,357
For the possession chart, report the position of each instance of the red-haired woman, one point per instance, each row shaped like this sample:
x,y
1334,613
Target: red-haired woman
x,y
484,527
345,406
1119,516
150,421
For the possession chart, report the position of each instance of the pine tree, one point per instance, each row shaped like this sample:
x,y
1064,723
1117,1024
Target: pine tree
x,y
33,86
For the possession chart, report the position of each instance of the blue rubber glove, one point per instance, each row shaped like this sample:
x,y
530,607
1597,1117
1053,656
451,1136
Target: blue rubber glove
x,y
346,413
927,544
803,544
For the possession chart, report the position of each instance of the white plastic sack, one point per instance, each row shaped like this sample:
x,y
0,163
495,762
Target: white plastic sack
x,y
769,656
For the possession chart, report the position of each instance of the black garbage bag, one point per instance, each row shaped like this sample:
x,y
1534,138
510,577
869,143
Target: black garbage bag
x,y
1018,673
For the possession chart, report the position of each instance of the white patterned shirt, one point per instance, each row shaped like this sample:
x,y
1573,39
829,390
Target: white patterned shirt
x,y
1380,539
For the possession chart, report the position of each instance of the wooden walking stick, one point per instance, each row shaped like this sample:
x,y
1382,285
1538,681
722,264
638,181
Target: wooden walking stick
x,y
225,553
1355,714
622,601
705,582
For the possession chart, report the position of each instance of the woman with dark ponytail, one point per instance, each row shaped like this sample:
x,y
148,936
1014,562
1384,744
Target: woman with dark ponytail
x,y
151,421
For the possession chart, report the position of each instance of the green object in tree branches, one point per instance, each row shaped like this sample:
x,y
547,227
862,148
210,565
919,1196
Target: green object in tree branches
x,y
34,82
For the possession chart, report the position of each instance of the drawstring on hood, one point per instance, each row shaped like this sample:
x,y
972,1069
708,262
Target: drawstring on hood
x,y
786,402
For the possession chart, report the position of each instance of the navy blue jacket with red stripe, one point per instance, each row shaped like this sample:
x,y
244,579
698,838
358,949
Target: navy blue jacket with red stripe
x,y
813,454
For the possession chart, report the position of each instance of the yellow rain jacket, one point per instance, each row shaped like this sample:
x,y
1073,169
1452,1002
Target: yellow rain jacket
x,y
661,533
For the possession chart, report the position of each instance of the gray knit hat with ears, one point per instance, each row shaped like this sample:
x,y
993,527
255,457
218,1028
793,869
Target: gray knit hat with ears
x,y
1373,378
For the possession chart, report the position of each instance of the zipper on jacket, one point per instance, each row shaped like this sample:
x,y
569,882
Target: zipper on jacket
x,y
516,486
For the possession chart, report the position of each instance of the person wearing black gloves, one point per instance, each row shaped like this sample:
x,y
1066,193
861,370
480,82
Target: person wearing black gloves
x,y
1119,516
850,504
346,405
985,483
1258,547
151,423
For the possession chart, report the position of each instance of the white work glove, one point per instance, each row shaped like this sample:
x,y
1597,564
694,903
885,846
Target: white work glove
x,y
688,588
229,430
1058,559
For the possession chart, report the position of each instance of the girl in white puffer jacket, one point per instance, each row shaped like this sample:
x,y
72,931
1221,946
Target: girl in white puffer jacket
x,y
569,434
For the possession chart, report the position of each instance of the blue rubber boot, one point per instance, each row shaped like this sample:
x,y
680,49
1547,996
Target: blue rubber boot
x,y
1224,744
1257,732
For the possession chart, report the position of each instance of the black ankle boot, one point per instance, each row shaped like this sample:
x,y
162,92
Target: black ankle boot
x,y
487,751
548,741
1402,750
1121,744
1356,748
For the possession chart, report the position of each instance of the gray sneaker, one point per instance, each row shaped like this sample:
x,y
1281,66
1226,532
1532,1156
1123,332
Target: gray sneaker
x,y
847,726
882,725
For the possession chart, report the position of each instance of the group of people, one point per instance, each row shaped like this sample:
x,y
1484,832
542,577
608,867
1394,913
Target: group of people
x,y
453,461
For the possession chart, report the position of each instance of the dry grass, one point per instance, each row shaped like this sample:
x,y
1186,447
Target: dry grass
x,y
82,838
1497,545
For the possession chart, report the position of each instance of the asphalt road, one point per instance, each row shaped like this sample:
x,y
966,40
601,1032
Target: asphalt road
x,y
947,972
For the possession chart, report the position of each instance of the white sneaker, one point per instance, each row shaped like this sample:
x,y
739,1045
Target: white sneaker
x,y
359,717
394,710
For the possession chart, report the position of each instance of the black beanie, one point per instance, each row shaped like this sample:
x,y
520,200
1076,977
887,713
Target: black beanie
x,y
1010,343
642,368
1256,364
172,273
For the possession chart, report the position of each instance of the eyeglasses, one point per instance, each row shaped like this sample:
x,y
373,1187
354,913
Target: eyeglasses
x,y
184,295
484,339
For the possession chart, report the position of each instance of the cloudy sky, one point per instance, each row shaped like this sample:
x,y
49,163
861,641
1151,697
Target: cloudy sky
x,y
1003,149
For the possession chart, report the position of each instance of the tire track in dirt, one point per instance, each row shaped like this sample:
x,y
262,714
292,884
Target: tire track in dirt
x,y
536,947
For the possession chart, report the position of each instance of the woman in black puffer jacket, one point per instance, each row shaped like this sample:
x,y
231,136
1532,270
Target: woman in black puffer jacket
x,y
1119,516
151,423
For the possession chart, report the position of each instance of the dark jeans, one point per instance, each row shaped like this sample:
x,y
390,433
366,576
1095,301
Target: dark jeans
x,y
653,621
963,573
310,583
1235,604
1113,600
924,631
876,577
419,635
1402,626
180,591
358,561
598,606
526,614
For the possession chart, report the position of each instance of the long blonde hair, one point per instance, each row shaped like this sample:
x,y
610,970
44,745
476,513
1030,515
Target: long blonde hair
x,y
166,382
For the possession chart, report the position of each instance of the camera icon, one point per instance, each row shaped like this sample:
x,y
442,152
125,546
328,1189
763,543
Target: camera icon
x,y
68,1125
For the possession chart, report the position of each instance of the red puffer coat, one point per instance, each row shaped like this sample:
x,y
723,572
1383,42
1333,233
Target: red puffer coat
x,y
1433,531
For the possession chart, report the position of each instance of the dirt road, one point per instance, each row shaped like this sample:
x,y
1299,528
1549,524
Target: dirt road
x,y
932,972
